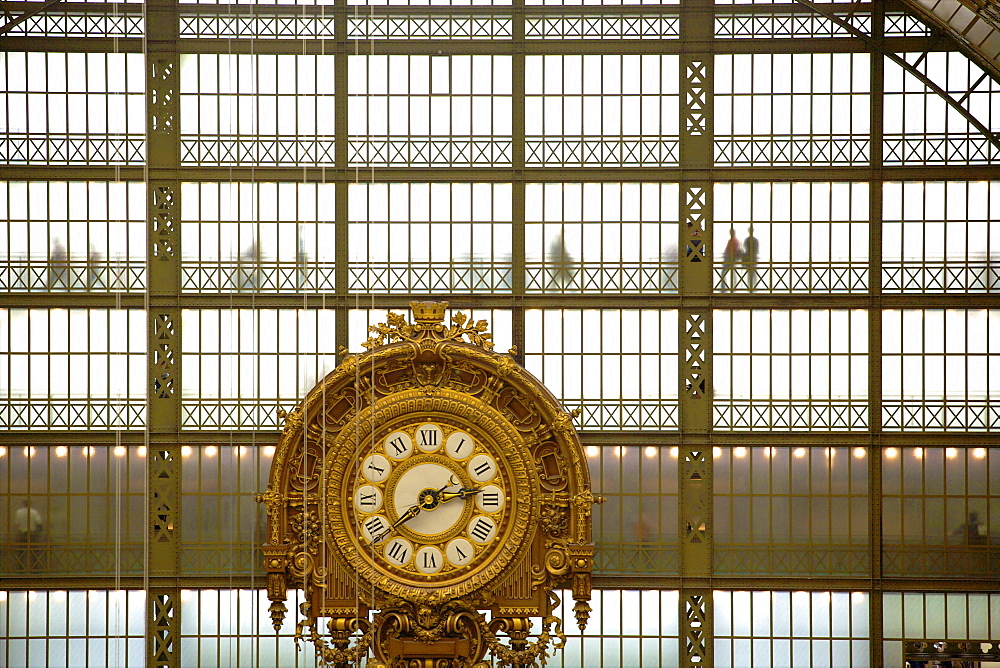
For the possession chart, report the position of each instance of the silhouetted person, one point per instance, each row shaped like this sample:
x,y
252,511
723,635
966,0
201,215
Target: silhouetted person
x,y
302,266
28,528
247,273
95,277
58,266
730,256
972,532
642,532
668,269
751,249
28,523
560,262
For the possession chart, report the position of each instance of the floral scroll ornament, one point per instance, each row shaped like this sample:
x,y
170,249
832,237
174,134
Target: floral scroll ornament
x,y
428,316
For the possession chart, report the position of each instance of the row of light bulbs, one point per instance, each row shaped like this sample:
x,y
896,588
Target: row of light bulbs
x,y
651,452
121,451
188,595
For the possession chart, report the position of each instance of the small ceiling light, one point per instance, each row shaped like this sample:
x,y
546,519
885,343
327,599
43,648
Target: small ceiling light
x,y
650,452
29,451
185,451
268,450
799,453
979,453
89,451
120,451
593,451
619,450
211,451
141,451
891,453
951,453
62,451
740,451
859,453
675,452
918,453
716,452
242,450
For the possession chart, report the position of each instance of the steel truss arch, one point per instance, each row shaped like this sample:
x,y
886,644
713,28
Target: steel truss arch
x,y
877,47
973,24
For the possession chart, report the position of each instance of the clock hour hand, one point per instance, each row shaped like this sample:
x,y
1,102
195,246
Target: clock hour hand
x,y
404,518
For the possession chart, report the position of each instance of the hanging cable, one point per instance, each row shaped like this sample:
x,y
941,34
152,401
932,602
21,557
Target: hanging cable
x,y
118,451
150,383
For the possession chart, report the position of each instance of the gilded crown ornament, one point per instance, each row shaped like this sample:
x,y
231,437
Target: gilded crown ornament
x,y
420,485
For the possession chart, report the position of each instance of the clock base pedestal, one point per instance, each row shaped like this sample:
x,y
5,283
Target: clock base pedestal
x,y
427,636
450,652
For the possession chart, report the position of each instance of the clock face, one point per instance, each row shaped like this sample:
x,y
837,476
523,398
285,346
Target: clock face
x,y
430,501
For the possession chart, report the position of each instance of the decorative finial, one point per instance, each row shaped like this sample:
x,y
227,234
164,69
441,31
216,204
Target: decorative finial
x,y
428,312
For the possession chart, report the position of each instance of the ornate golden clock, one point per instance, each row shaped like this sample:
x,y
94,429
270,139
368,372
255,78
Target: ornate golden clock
x,y
419,485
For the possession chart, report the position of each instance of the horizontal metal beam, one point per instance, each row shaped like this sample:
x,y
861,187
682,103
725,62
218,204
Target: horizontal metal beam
x,y
554,174
773,45
261,437
445,11
608,300
665,582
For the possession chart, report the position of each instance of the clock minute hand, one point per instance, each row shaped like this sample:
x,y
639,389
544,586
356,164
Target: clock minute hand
x,y
460,494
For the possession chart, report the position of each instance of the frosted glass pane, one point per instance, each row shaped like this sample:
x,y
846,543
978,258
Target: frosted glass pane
x,y
913,615
742,613
892,654
801,613
958,620
979,616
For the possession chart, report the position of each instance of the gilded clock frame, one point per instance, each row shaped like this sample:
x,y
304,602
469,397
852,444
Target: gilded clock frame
x,y
427,371
442,406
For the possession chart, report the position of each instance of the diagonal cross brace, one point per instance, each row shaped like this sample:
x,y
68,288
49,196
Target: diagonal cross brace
x,y
7,27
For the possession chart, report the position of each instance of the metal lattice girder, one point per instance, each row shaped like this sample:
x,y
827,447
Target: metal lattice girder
x,y
163,332
695,340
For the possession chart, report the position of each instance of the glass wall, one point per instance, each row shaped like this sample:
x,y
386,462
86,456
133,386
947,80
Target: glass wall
x,y
637,196
791,628
790,510
73,368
